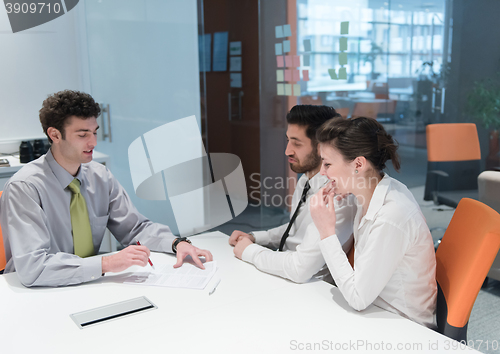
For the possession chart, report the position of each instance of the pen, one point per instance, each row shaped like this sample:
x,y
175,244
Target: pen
x,y
149,260
214,287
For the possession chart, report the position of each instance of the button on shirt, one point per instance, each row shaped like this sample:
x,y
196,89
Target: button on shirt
x,y
304,259
394,260
36,222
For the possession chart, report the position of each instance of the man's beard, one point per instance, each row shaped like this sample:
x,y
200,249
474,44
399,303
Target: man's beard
x,y
312,161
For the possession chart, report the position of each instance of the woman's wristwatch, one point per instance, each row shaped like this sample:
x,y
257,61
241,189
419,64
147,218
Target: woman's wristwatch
x,y
177,241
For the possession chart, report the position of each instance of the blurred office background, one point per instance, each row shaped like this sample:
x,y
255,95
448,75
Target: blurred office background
x,y
408,63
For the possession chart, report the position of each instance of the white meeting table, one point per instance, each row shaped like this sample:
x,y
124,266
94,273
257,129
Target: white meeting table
x,y
250,312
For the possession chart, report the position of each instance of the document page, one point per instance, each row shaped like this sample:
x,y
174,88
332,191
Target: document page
x,y
187,276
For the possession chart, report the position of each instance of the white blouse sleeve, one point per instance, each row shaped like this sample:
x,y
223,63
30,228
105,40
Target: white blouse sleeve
x,y
374,265
298,266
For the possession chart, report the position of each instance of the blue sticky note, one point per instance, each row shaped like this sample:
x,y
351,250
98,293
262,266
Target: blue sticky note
x,y
342,74
343,43
332,73
306,60
287,31
205,50
220,51
307,45
343,58
344,27
278,48
279,32
286,46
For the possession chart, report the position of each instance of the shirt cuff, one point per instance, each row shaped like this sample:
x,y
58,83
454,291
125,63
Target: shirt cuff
x,y
157,243
92,268
250,252
261,237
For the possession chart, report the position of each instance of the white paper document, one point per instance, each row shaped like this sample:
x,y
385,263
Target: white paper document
x,y
187,276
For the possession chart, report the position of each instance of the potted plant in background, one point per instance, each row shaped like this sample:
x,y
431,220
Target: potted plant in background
x,y
483,104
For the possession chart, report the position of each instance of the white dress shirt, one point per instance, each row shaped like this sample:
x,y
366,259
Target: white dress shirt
x,y
394,259
36,222
302,258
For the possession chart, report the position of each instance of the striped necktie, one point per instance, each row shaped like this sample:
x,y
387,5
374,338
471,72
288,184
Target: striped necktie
x,y
80,224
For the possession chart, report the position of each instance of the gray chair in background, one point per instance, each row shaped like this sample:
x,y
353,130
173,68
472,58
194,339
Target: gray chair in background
x,y
489,194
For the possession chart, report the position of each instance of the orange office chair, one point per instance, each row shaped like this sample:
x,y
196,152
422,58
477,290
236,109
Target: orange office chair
x,y
463,259
3,261
453,163
344,112
381,90
365,109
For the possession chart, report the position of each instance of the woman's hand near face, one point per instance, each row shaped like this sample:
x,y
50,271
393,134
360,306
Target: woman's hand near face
x,y
323,211
330,188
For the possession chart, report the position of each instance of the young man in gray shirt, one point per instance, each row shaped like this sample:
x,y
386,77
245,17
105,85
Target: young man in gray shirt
x,y
48,240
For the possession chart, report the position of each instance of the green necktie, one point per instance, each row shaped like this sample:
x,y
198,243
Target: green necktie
x,y
82,234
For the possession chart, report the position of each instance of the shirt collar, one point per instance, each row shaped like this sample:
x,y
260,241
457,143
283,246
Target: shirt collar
x,y
316,182
378,197
63,176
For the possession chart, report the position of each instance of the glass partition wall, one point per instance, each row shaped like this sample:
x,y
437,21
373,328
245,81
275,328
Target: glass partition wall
x,y
406,63
381,59
239,66
392,53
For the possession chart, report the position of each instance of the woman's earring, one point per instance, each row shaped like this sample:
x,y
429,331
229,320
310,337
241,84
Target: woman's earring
x,y
356,171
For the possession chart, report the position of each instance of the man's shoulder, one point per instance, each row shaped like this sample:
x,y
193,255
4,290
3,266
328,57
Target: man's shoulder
x,y
95,171
94,166
32,179
34,171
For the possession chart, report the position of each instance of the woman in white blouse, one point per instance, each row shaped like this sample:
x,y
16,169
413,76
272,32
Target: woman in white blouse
x,y
394,260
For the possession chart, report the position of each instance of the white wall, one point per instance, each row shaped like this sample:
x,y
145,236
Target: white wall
x,y
33,64
143,62
138,56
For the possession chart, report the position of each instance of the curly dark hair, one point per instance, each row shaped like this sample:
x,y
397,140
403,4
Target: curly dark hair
x,y
57,108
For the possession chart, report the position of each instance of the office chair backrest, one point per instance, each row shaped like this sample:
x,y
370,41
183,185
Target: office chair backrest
x,y
489,189
381,90
3,261
463,259
453,149
452,142
365,109
344,112
489,194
